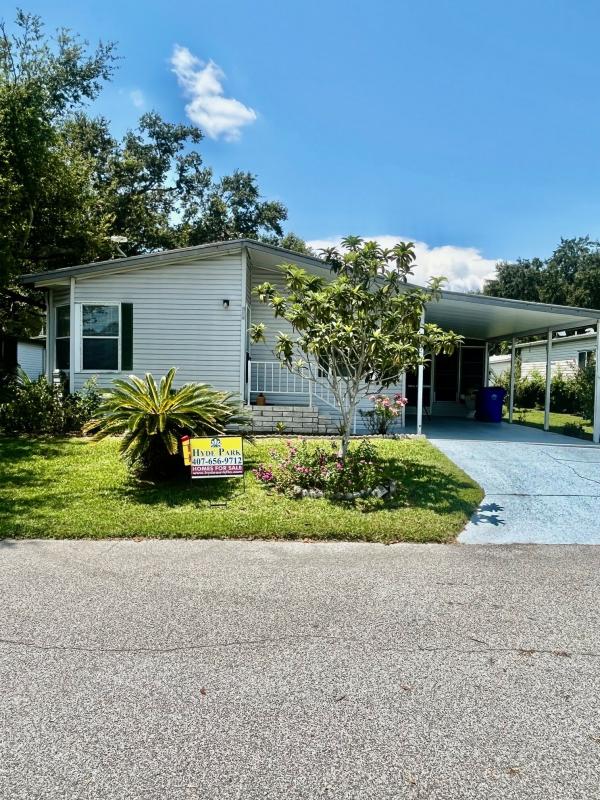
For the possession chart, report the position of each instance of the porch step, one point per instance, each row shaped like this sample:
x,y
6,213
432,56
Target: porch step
x,y
295,419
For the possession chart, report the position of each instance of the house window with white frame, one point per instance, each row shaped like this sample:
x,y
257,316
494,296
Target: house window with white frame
x,y
62,339
100,336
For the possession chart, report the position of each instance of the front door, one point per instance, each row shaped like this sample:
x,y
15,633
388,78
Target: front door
x,y
445,380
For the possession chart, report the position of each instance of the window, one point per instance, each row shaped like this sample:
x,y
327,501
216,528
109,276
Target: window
x,y
100,331
585,358
62,359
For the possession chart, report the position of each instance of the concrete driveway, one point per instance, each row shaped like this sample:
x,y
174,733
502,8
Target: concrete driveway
x,y
173,669
541,488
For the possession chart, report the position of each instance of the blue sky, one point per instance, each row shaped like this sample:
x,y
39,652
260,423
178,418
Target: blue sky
x,y
471,127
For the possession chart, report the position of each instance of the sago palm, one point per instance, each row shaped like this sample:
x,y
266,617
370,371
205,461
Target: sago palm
x,y
152,417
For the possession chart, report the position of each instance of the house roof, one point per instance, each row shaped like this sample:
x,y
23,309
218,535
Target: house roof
x,y
165,257
472,315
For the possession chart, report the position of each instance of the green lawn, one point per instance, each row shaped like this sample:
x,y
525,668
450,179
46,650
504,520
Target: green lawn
x,y
535,418
72,488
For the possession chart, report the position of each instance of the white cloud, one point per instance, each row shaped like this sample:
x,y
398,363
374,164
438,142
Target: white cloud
x,y
464,267
137,98
208,108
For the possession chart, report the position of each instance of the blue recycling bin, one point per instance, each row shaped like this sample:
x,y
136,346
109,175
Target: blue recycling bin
x,y
489,404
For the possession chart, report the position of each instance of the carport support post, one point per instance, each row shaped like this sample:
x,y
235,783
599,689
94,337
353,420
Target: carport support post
x,y
420,373
511,392
486,365
596,429
548,380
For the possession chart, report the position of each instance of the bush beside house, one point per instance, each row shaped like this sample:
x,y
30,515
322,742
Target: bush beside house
x,y
567,395
37,407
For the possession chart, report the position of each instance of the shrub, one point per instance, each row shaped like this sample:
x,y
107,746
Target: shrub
x,y
385,412
315,467
152,418
563,394
584,390
530,392
35,406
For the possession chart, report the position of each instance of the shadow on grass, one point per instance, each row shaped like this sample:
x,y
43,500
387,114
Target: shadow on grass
x,y
181,491
427,486
15,449
419,486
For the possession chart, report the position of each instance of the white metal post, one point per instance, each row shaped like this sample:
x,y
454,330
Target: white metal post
x,y
511,394
49,336
548,380
596,429
72,332
420,373
486,365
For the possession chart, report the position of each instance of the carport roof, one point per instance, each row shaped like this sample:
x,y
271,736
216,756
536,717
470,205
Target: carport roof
x,y
478,316
473,315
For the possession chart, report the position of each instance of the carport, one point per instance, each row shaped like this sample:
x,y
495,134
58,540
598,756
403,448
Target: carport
x,y
485,320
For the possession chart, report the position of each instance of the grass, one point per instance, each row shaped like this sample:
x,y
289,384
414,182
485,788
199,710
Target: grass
x,y
74,488
535,418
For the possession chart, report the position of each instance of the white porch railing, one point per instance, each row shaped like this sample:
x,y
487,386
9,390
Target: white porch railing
x,y
272,378
323,392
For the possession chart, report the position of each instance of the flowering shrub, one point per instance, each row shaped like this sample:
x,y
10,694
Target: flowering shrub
x,y
304,466
386,410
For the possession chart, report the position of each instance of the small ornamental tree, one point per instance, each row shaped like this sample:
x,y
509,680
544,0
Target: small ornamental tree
x,y
359,332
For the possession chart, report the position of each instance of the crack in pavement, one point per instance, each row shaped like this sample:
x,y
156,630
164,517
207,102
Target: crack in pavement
x,y
573,470
487,648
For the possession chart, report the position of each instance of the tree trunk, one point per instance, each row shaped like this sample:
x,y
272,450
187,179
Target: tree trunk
x,y
344,444
347,430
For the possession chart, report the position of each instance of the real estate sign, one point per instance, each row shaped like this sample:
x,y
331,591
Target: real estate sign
x,y
214,456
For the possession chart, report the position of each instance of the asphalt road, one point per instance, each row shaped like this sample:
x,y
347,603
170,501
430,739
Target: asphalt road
x,y
172,670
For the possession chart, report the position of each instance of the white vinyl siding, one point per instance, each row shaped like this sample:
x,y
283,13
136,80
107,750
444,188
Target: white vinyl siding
x,y
178,319
30,358
565,355
260,312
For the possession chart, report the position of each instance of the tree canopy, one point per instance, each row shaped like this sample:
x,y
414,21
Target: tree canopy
x,y
68,185
361,330
571,276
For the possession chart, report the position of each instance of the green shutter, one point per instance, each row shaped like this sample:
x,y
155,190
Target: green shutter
x,y
126,336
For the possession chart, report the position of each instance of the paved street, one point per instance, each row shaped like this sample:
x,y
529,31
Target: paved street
x,y
176,670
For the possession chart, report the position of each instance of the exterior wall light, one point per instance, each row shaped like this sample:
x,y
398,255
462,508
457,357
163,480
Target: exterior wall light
x,y
225,303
